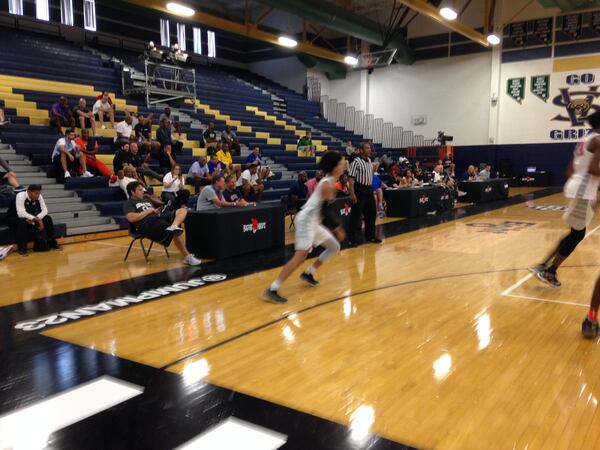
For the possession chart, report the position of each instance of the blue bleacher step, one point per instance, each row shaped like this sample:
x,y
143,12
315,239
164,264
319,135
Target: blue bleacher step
x,y
73,231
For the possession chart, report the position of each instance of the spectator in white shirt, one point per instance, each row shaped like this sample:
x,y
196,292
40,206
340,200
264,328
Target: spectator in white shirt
x,y
173,188
66,154
103,108
28,218
124,131
199,175
486,173
251,184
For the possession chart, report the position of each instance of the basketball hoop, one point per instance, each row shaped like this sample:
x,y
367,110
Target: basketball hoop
x,y
371,60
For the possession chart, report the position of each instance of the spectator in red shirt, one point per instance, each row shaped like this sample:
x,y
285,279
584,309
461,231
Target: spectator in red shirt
x,y
90,149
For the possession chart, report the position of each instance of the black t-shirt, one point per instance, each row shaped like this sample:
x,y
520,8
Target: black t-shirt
x,y
143,130
137,160
446,162
137,206
76,109
210,135
121,158
232,196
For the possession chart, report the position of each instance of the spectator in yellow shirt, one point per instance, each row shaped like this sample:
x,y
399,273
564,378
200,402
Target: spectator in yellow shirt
x,y
224,156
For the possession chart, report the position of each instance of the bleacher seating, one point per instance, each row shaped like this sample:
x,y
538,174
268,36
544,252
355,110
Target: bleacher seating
x,y
36,69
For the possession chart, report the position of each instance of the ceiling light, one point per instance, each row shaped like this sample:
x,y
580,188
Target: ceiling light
x,y
448,13
287,41
351,60
177,8
493,39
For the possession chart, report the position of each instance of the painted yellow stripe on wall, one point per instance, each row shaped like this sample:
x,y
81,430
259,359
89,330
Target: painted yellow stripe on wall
x,y
576,63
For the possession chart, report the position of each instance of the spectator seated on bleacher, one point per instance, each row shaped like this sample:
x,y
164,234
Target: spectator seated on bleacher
x,y
216,167
164,136
198,174
349,148
128,175
343,186
174,188
312,183
60,115
28,218
124,130
175,125
84,116
122,157
264,171
298,193
89,148
386,161
233,195
160,226
305,144
251,184
66,155
229,137
470,174
3,120
104,108
210,138
140,162
143,133
8,177
447,161
225,156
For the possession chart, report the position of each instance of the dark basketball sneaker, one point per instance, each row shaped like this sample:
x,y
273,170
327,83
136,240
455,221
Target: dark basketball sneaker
x,y
273,297
590,329
549,278
309,279
538,268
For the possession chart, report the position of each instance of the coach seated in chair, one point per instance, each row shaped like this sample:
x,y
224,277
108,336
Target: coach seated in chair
x,y
212,196
28,218
161,227
233,195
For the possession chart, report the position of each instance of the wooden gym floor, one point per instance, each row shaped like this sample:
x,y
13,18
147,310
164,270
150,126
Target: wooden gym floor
x,y
439,338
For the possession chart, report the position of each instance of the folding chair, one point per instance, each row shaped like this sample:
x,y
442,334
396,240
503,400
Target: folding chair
x,y
135,236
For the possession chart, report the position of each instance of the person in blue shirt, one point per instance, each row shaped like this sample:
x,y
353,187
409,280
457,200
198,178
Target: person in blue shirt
x,y
216,167
298,192
378,187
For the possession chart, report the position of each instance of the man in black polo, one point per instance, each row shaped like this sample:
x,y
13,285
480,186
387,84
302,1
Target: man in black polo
x,y
361,194
28,218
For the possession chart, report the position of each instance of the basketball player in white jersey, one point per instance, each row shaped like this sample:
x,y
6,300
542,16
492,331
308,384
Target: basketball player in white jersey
x,y
312,228
581,189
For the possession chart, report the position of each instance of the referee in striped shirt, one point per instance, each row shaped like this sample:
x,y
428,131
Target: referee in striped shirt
x,y
361,194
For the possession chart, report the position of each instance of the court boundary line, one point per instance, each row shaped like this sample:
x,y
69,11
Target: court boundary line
x,y
508,292
352,295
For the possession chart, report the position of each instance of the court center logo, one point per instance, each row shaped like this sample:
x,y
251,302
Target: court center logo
x,y
254,226
346,210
